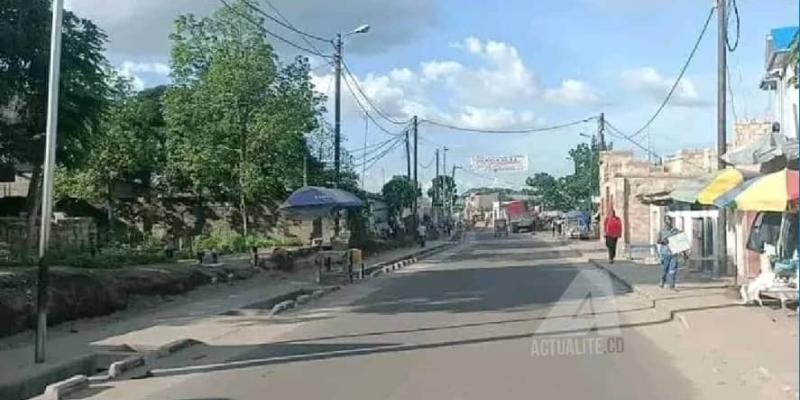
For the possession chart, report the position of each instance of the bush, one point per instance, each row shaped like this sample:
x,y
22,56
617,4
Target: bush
x,y
225,240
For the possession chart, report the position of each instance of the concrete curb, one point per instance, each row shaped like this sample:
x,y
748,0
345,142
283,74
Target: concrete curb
x,y
58,390
391,265
175,346
116,369
618,278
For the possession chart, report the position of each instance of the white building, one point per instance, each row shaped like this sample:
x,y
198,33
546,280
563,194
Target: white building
x,y
780,79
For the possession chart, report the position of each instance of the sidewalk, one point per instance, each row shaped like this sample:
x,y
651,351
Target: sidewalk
x,y
743,349
153,322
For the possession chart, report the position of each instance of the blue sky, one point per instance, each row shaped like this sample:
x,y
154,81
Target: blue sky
x,y
516,64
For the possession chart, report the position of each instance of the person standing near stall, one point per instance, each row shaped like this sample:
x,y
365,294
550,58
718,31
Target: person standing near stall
x,y
612,227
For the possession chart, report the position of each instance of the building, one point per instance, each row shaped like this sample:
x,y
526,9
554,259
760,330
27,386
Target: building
x,y
780,79
627,182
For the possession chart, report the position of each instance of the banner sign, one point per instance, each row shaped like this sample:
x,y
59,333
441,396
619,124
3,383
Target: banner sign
x,y
499,163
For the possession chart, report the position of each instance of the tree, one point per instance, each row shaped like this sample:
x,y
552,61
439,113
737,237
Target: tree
x,y
443,188
573,191
548,191
127,147
399,193
24,52
236,118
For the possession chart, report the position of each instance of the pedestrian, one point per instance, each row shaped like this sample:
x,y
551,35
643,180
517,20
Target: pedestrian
x,y
612,228
422,232
553,226
669,261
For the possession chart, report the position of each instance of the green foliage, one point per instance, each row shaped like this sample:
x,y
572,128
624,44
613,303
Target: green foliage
x,y
226,240
128,146
572,191
236,117
84,91
442,187
399,193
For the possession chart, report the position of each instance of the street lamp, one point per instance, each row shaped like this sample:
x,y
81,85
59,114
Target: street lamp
x,y
337,140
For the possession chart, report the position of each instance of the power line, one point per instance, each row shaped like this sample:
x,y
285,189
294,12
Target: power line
x,y
372,148
364,109
618,133
374,160
678,79
368,100
522,130
285,24
730,92
732,48
270,33
428,164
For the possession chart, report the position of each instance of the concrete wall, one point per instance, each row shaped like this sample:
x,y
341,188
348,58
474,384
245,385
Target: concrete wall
x,y
67,234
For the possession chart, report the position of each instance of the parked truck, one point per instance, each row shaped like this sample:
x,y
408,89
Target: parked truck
x,y
519,218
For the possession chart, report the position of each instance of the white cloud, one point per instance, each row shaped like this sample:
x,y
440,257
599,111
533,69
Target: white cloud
x,y
648,81
146,67
572,92
497,92
436,70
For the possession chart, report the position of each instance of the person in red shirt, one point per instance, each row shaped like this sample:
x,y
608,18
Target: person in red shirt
x,y
612,227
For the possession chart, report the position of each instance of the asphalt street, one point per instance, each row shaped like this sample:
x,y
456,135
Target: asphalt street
x,y
522,317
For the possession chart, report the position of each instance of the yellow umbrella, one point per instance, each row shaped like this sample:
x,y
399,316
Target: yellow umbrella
x,y
721,182
773,192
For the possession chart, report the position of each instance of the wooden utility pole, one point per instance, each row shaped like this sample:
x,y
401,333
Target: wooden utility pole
x,y
722,59
416,163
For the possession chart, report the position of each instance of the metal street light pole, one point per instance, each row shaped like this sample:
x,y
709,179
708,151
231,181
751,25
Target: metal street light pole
x,y
47,189
337,140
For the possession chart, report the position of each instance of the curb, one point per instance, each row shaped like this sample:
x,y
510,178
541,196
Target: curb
x,y
175,346
618,278
116,369
57,390
391,265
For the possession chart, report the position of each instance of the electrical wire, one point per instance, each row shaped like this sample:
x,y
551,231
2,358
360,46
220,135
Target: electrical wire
x,y
270,33
374,159
678,79
730,93
618,133
732,4
285,24
429,163
368,100
364,109
371,148
522,130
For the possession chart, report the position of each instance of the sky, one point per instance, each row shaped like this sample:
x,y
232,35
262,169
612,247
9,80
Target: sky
x,y
497,65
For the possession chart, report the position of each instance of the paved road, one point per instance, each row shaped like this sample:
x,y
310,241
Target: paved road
x,y
461,325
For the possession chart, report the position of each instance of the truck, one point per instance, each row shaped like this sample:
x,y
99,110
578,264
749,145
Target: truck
x,y
519,218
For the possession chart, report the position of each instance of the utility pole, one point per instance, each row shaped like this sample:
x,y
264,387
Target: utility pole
x,y
337,114
443,194
47,185
601,130
416,163
364,167
437,190
408,158
722,59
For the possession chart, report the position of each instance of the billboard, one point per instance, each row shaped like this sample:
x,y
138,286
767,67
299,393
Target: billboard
x,y
499,163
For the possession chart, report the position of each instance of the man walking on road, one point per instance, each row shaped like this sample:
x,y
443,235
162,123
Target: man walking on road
x,y
422,232
669,261
612,227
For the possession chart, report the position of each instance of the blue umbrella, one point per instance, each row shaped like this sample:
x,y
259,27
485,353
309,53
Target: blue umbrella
x,y
315,201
